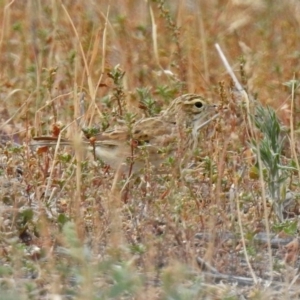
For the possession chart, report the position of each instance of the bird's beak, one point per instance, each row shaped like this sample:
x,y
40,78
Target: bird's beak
x,y
202,124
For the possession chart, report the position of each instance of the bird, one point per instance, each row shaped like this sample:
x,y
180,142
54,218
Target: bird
x,y
172,133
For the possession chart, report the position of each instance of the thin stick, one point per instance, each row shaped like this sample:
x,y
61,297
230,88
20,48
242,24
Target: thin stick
x,y
154,36
86,67
237,198
228,68
4,20
203,43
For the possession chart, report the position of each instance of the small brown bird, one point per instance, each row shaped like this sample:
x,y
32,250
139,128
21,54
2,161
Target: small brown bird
x,y
173,132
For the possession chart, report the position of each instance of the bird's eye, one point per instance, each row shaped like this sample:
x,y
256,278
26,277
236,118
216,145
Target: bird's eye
x,y
198,104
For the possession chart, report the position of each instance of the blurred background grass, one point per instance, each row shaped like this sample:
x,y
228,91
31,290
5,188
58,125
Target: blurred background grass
x,y
42,56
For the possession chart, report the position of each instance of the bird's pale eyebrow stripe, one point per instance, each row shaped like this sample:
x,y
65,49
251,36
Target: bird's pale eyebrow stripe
x,y
196,97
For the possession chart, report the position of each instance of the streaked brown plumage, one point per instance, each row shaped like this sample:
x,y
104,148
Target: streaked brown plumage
x,y
172,132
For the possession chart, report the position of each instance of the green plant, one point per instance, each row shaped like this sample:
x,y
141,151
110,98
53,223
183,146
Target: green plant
x,y
269,151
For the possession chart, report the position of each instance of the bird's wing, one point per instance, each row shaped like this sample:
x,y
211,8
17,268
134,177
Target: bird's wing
x,y
155,132
113,137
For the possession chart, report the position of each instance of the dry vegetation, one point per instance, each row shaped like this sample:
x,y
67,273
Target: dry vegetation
x,y
71,228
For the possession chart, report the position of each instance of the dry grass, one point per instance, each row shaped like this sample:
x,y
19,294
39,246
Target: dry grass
x,y
71,228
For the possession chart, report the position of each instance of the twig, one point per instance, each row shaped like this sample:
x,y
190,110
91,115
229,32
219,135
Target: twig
x,y
229,69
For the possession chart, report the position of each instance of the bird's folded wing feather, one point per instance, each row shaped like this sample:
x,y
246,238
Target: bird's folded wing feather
x,y
154,131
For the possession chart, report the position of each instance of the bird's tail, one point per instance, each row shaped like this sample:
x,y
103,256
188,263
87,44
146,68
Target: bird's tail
x,y
45,141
